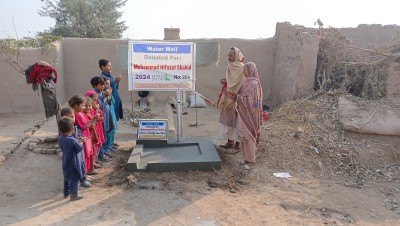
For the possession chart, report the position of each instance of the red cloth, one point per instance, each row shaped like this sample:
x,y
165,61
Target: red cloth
x,y
94,135
81,119
90,92
99,128
39,72
89,163
222,92
265,116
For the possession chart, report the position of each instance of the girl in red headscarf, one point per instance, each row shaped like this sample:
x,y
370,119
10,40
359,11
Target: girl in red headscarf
x,y
98,138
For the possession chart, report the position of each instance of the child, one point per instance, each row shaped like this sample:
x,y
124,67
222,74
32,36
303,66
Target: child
x,y
73,169
108,123
69,113
105,67
99,124
83,123
111,102
94,136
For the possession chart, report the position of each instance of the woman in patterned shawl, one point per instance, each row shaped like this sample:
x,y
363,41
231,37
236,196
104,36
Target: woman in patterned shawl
x,y
249,109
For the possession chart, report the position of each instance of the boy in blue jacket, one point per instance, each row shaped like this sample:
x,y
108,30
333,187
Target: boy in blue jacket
x,y
72,167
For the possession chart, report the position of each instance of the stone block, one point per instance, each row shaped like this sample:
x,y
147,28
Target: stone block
x,y
37,150
51,151
2,159
51,139
32,145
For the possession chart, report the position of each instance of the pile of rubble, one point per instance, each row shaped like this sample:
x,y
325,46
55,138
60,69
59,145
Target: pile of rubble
x,y
306,137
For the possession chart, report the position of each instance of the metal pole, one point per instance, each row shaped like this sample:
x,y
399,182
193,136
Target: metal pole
x,y
131,101
179,114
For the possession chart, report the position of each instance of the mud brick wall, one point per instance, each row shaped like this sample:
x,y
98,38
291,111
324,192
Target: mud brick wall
x,y
393,82
295,62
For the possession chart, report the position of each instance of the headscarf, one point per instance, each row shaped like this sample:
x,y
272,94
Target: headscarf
x,y
234,80
90,92
249,102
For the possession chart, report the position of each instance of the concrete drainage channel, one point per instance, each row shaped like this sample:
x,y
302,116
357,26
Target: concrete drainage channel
x,y
195,153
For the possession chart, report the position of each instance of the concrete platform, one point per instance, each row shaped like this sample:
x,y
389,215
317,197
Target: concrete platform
x,y
196,153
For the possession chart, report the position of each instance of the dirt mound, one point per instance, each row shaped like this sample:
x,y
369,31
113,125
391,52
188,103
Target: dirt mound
x,y
305,137
115,173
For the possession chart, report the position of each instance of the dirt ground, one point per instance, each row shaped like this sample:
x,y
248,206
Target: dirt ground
x,y
316,194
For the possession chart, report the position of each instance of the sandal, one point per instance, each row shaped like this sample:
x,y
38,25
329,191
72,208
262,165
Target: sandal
x,y
246,167
92,173
228,145
97,166
243,162
232,151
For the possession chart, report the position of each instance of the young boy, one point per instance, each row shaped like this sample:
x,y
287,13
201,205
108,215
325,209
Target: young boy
x,y
73,169
97,83
111,102
69,113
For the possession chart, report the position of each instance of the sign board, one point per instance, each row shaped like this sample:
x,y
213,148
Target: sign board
x,y
152,129
161,66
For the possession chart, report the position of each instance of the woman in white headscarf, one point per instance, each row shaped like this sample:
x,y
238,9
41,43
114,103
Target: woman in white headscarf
x,y
233,81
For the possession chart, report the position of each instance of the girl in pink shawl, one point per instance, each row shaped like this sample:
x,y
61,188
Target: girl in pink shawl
x,y
249,109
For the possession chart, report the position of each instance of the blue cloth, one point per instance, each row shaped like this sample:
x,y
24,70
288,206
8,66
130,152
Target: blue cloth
x,y
66,187
112,110
104,148
78,133
72,162
111,135
118,103
108,122
73,184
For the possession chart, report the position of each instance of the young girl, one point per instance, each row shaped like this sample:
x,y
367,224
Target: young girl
x,y
84,122
77,104
99,125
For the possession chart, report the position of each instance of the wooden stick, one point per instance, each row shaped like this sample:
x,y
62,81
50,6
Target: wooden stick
x,y
203,97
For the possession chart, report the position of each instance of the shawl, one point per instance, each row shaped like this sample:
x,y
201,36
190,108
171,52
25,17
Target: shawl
x,y
90,92
234,80
249,103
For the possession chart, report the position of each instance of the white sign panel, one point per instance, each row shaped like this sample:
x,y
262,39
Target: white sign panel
x,y
161,65
152,129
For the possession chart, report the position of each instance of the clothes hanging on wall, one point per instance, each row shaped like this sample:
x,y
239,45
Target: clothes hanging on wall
x,y
46,76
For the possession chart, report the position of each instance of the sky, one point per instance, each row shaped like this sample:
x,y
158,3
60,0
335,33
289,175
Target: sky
x,y
248,19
